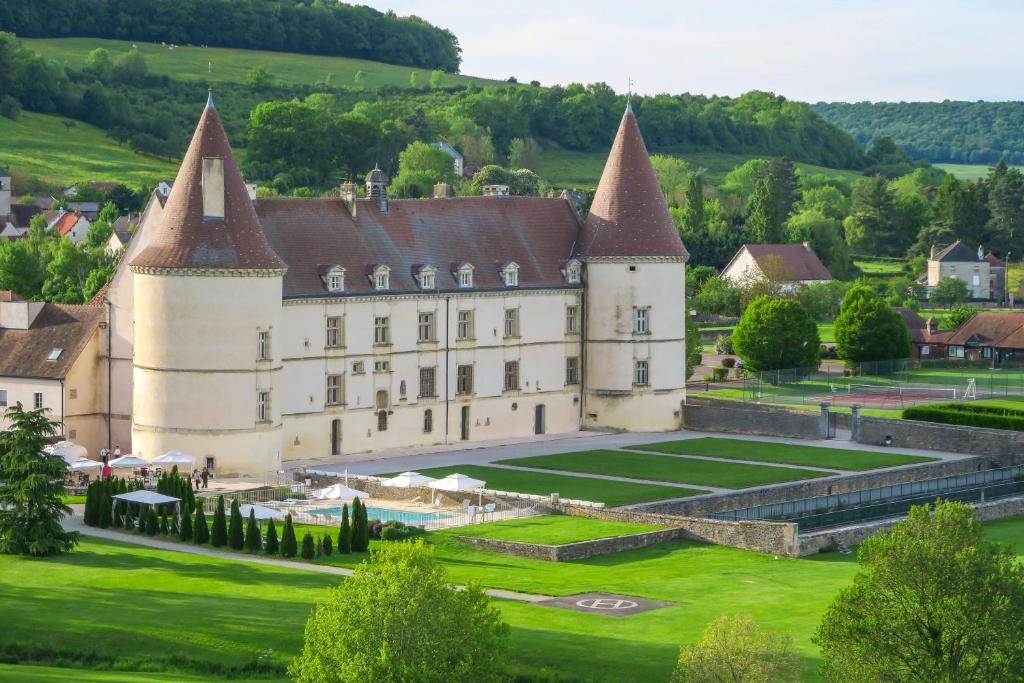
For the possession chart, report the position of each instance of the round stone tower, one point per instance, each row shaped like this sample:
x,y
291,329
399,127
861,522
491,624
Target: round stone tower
x,y
207,293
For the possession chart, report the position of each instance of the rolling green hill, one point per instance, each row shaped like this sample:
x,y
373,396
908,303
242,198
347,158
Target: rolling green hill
x,y
44,146
213,64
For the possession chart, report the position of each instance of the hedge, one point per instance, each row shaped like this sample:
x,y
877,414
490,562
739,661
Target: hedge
x,y
968,416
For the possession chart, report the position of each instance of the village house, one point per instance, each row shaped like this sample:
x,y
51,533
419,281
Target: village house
x,y
786,265
120,234
453,153
52,356
249,332
72,225
969,265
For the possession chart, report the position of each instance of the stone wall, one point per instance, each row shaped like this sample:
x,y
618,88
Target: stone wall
x,y
571,552
997,443
709,415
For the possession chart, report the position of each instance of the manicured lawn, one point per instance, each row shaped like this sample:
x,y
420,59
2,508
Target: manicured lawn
x,y
1012,403
73,500
665,468
45,147
51,674
611,493
880,266
790,454
218,65
826,333
553,529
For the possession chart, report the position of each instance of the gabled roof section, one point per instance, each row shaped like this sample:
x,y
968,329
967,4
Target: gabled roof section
x,y
958,252
25,353
799,261
1002,330
184,239
629,216
66,222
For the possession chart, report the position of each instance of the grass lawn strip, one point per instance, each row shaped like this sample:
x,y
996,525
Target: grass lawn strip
x,y
666,468
790,454
611,493
554,529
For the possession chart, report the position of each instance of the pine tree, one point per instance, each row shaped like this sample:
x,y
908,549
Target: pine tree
x,y
289,546
152,523
185,533
308,546
328,545
236,531
219,532
200,531
272,545
345,532
763,220
693,216
253,538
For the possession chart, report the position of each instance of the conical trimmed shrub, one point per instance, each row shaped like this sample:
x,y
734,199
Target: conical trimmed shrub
x,y
152,523
185,533
360,528
104,513
200,531
90,517
328,545
219,530
289,546
308,546
345,532
272,547
236,529
164,528
253,538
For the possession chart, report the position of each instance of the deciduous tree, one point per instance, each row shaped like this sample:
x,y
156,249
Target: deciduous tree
x,y
736,650
774,334
868,329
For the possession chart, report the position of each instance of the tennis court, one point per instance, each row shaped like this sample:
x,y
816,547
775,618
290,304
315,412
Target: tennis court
x,y
896,395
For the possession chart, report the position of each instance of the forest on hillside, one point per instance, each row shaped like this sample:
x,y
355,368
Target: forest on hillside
x,y
955,132
304,26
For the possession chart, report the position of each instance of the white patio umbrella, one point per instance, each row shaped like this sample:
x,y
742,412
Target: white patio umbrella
x,y
407,480
261,512
338,492
84,464
174,458
456,482
128,462
68,450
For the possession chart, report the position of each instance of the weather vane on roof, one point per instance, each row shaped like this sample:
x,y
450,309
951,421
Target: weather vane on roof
x,y
629,88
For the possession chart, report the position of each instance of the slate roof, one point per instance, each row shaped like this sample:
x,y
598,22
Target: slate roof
x,y
629,216
537,233
22,214
1001,330
958,252
800,262
3,173
184,239
23,353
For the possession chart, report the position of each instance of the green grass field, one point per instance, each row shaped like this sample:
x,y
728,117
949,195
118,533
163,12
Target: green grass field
x,y
880,267
967,171
215,64
665,468
790,454
827,333
170,611
52,674
44,146
554,529
611,493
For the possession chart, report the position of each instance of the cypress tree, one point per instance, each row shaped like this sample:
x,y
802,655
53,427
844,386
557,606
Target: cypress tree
x,y
319,547
308,546
236,531
89,517
152,524
104,513
357,524
175,530
253,539
219,532
200,531
328,545
345,532
164,529
272,545
289,547
185,533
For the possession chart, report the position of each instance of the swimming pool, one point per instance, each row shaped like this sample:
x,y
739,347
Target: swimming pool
x,y
387,514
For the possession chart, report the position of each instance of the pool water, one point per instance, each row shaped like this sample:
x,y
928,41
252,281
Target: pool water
x,y
387,514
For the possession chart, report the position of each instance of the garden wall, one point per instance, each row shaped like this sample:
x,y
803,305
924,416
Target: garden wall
x,y
997,443
734,417
570,552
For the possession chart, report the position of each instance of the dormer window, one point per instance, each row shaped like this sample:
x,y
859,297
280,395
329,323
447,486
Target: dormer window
x,y
335,279
427,277
510,274
465,275
381,278
213,189
572,272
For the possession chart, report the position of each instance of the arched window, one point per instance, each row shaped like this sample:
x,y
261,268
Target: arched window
x,y
401,388
382,400
382,420
428,421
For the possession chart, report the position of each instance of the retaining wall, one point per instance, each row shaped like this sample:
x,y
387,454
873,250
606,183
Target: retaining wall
x,y
581,550
996,443
734,417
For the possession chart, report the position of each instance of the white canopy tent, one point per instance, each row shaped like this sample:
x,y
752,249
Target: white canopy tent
x,y
68,450
147,498
457,482
171,458
128,462
85,464
338,492
408,480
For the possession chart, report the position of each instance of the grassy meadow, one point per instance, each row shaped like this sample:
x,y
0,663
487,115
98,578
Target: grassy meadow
x,y
45,147
554,529
967,171
219,65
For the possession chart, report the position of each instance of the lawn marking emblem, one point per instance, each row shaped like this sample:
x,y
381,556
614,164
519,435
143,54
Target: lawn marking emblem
x,y
606,603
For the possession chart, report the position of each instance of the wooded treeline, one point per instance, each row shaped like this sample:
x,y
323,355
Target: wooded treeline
x,y
955,132
304,26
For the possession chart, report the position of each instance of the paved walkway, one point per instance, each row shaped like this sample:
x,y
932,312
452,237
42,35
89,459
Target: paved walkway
x,y
75,523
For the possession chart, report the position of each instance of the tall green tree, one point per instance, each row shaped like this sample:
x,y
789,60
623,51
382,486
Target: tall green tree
x,y
236,527
932,601
31,507
273,546
949,291
693,212
253,537
289,546
694,344
344,532
219,530
868,329
424,631
775,334
1006,205
764,221
737,650
874,227
200,532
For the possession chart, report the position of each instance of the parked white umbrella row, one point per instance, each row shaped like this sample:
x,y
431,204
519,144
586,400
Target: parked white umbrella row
x,y
457,482
338,492
407,480
174,458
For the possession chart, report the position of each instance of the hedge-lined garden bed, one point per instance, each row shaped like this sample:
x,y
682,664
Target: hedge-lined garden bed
x,y
968,415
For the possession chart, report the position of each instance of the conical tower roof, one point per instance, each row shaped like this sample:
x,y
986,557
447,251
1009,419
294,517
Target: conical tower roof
x,y
187,239
629,216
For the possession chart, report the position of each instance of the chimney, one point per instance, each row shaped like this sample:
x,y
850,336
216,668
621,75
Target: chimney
x,y
932,324
442,191
807,246
495,190
932,255
348,196
981,252
250,189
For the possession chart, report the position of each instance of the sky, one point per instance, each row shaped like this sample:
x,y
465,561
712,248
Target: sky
x,y
824,50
